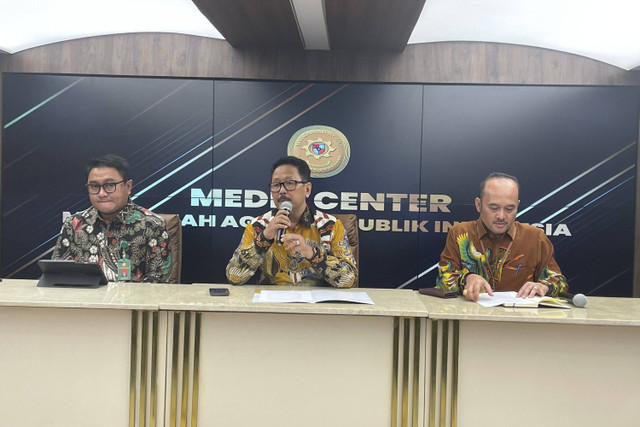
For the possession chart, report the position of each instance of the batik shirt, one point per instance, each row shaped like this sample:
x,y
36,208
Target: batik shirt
x,y
332,262
523,254
87,237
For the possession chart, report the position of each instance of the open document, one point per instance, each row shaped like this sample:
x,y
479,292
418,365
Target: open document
x,y
315,296
509,299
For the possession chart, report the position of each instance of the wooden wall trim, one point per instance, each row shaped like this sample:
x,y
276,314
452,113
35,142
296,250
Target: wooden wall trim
x,y
178,55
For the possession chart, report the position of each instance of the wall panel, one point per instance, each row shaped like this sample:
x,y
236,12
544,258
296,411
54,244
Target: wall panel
x,y
202,148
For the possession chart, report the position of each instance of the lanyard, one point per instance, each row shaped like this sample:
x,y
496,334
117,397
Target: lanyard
x,y
493,274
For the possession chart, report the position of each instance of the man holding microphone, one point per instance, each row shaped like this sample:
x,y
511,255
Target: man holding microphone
x,y
294,244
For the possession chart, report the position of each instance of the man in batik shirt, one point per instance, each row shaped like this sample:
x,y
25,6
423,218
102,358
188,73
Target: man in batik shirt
x,y
497,253
314,250
114,227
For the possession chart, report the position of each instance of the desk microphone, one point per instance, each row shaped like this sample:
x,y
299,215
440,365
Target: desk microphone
x,y
285,206
579,300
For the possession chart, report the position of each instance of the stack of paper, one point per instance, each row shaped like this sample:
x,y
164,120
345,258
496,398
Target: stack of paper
x,y
315,296
509,299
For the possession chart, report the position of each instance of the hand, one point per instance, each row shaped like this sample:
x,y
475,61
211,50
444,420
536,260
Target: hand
x,y
295,243
531,289
281,220
474,284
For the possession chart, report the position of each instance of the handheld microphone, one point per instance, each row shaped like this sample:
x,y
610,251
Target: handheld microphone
x,y
284,206
579,300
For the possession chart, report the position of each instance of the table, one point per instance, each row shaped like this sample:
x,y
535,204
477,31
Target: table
x,y
545,366
147,354
166,355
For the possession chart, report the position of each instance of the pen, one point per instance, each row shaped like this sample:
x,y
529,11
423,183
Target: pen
x,y
518,269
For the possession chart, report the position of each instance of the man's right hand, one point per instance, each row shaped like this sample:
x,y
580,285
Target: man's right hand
x,y
475,284
281,220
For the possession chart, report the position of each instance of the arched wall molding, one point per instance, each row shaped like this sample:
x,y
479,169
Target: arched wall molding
x,y
177,55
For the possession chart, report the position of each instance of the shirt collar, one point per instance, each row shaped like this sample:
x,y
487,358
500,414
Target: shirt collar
x,y
484,231
92,215
307,218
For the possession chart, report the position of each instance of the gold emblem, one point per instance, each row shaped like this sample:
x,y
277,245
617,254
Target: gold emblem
x,y
324,148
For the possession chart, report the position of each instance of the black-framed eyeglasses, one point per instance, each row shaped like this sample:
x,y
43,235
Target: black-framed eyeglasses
x,y
288,185
108,187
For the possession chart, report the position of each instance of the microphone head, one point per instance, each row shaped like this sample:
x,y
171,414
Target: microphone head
x,y
579,300
286,205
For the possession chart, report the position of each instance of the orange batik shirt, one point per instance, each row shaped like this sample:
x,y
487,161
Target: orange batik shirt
x,y
523,254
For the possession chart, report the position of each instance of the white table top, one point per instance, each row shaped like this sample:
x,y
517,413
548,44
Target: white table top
x,y
599,311
387,302
146,296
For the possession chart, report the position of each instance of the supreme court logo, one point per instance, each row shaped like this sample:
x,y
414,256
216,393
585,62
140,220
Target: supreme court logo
x,y
324,148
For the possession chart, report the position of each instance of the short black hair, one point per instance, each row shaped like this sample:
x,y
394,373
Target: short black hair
x,y
301,165
494,175
110,161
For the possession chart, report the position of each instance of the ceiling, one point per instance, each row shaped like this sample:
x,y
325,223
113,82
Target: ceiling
x,y
605,31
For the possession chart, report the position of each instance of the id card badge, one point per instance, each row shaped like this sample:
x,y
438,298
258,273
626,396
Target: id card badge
x,y
124,264
124,270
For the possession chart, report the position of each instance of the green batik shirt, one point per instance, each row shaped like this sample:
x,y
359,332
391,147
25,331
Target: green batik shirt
x,y
523,254
86,237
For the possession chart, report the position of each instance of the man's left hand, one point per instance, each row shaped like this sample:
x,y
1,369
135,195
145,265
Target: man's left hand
x,y
295,243
531,289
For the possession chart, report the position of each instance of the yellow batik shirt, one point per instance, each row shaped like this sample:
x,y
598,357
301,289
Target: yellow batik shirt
x,y
332,264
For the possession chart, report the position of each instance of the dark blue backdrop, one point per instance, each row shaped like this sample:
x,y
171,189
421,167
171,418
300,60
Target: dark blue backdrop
x,y
573,149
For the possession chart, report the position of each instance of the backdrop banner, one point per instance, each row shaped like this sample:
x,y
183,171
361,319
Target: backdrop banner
x,y
406,159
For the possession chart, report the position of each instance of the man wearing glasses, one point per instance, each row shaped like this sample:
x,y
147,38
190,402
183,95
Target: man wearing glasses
x,y
313,251
115,230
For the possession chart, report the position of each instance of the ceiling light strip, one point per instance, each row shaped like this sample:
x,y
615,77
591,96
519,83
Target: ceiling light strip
x,y
312,23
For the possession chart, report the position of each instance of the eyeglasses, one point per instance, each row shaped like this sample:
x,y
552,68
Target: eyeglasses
x,y
108,187
288,185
